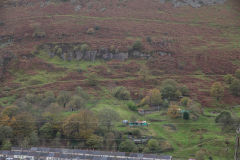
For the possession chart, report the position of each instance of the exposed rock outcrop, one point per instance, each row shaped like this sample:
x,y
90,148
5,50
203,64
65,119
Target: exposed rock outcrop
x,y
193,3
69,52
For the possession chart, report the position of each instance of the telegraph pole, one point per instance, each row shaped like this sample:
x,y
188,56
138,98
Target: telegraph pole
x,y
237,144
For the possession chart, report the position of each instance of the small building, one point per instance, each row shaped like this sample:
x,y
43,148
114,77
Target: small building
x,y
138,123
125,122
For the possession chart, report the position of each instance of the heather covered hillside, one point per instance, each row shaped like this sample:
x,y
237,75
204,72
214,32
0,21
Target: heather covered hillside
x,y
172,63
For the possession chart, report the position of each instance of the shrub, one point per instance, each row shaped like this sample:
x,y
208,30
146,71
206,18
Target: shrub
x,y
169,89
90,31
112,48
80,92
49,98
121,93
76,103
2,23
228,78
200,155
237,73
217,90
224,117
184,90
137,45
94,141
185,101
174,111
186,115
149,39
152,146
107,117
58,50
6,145
196,108
128,146
225,120
63,98
10,111
154,98
132,106
165,103
31,98
235,87
92,79
84,48
35,82
97,28
39,34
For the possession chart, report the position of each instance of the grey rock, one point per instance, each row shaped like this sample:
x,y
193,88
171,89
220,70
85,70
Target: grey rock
x,y
102,9
79,55
107,56
77,8
90,55
122,56
136,54
194,3
51,54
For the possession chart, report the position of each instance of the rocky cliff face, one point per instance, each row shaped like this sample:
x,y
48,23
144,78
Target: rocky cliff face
x,y
69,52
194,3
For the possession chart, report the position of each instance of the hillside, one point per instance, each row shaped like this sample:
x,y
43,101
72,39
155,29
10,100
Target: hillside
x,y
51,46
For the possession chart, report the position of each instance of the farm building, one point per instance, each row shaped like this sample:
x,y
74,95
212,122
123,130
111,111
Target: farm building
x,y
135,124
138,123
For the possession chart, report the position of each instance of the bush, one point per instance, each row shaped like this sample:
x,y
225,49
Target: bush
x,y
237,73
235,87
169,89
185,101
174,111
196,108
76,103
10,111
84,48
63,98
137,45
35,82
49,98
224,117
94,141
132,106
149,39
2,23
200,155
186,115
152,146
92,79
39,34
225,120
217,90
58,51
184,90
128,146
6,145
228,78
80,92
97,28
154,98
165,103
121,93
90,31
